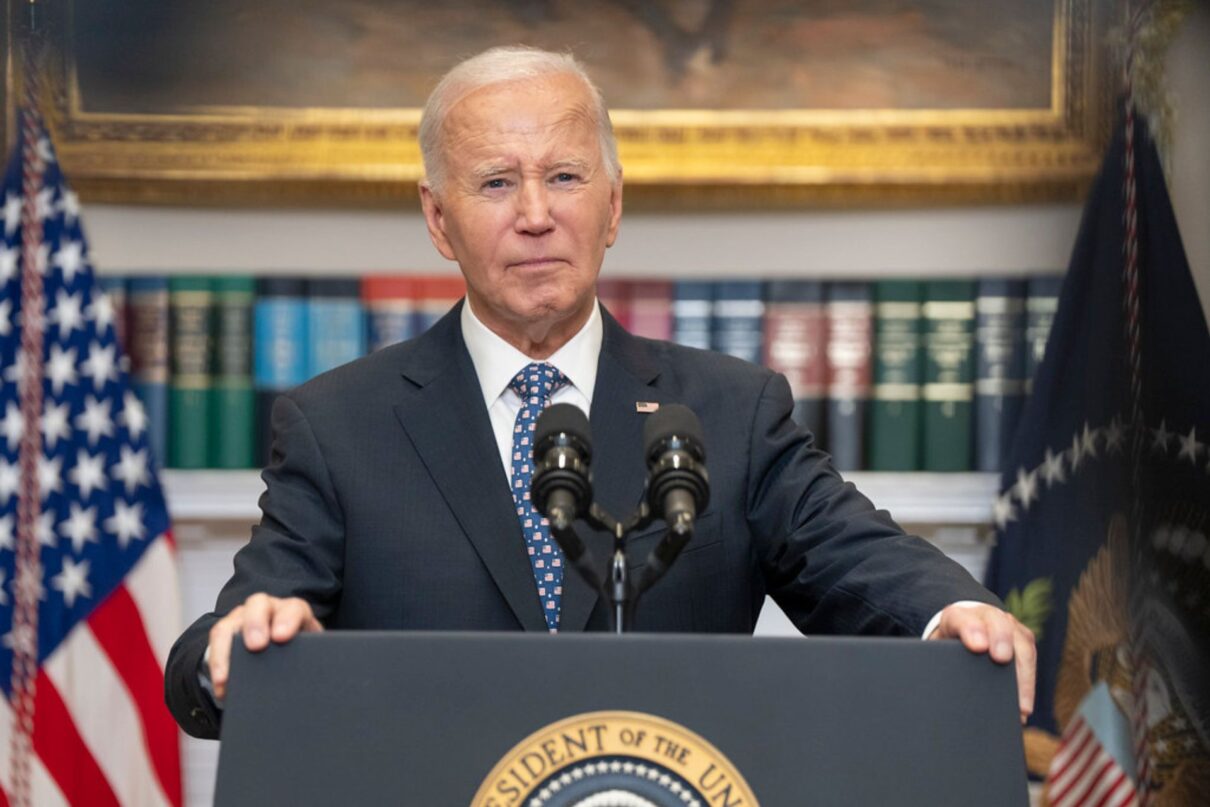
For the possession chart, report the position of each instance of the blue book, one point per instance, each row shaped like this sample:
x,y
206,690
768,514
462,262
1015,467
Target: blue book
x,y
692,313
850,345
280,360
999,368
148,345
336,324
737,327
390,309
1041,303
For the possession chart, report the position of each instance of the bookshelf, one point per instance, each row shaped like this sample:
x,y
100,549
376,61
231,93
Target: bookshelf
x,y
911,498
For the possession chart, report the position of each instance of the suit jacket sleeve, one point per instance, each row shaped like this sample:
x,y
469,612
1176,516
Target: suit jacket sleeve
x,y
295,551
830,560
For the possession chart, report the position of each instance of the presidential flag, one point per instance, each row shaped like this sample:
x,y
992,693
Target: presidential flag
x,y
1105,506
88,596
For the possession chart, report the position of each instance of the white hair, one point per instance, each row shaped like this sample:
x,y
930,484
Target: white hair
x,y
496,66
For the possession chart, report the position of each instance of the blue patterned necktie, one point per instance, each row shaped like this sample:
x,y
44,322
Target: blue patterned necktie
x,y
535,384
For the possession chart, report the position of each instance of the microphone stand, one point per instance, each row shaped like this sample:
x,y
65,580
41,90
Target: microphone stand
x,y
621,593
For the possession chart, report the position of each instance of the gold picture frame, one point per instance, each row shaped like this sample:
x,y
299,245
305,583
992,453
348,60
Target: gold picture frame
x,y
232,153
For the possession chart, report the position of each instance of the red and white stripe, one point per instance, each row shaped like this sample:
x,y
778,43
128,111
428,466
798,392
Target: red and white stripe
x,y
1084,774
101,732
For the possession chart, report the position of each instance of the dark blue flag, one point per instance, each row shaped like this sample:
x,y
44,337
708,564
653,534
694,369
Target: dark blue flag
x,y
1105,504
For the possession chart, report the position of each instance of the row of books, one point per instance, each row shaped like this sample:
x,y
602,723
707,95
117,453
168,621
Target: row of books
x,y
890,375
894,375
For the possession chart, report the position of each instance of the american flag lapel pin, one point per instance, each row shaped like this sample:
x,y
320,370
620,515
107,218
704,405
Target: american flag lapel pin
x,y
646,407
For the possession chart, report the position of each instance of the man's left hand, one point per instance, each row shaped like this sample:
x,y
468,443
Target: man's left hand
x,y
986,629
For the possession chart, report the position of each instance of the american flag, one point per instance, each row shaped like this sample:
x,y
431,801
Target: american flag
x,y
89,603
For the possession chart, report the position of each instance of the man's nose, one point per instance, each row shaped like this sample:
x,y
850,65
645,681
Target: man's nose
x,y
533,208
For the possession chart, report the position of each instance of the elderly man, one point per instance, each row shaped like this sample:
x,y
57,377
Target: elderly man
x,y
389,503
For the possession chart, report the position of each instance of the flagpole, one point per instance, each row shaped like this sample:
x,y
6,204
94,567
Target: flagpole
x,y
27,575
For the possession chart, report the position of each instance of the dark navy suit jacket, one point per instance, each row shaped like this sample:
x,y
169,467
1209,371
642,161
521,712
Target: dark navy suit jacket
x,y
388,508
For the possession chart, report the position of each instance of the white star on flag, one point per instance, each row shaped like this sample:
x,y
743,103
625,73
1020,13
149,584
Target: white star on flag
x,y
95,419
61,368
1162,437
1190,446
101,364
131,469
133,415
6,317
1076,453
69,205
44,530
50,476
1026,487
101,310
67,313
72,581
10,480
80,527
54,424
44,204
89,473
1052,468
6,534
8,262
1089,441
70,258
126,522
1003,510
13,426
12,213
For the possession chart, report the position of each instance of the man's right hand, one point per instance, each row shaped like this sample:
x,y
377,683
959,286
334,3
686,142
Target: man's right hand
x,y
260,619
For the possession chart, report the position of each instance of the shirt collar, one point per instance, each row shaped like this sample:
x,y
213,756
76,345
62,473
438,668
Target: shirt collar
x,y
496,361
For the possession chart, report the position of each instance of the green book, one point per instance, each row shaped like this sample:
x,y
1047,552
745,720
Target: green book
x,y
949,333
191,334
895,414
232,398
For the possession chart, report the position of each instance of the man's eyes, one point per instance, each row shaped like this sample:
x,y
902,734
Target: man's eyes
x,y
495,184
565,177
561,178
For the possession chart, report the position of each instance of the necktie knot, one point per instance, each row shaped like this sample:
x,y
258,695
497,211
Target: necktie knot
x,y
537,380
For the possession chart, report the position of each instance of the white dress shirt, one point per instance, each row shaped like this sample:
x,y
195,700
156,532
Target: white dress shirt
x,y
497,362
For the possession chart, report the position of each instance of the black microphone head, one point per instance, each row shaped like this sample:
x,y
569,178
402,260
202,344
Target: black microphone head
x,y
673,421
563,419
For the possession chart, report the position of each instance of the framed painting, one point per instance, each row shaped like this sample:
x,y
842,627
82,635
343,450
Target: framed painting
x,y
714,102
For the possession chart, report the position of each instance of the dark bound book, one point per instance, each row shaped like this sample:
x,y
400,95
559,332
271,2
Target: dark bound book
x,y
1041,303
949,317
192,340
232,399
999,368
850,336
796,336
336,324
738,324
279,349
896,411
148,345
692,311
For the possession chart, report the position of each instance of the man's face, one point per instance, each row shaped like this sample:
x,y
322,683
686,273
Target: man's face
x,y
526,208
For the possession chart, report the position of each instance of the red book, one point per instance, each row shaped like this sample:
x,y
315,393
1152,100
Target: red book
x,y
796,340
651,309
615,296
436,295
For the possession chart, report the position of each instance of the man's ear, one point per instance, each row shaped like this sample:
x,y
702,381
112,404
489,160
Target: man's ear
x,y
434,219
615,209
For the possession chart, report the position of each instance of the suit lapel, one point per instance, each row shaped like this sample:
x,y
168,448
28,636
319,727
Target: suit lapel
x,y
625,373
444,417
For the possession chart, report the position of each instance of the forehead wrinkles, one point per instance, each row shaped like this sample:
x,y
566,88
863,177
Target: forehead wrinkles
x,y
534,112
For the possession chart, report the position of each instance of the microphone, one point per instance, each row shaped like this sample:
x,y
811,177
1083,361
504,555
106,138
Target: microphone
x,y
678,487
561,487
